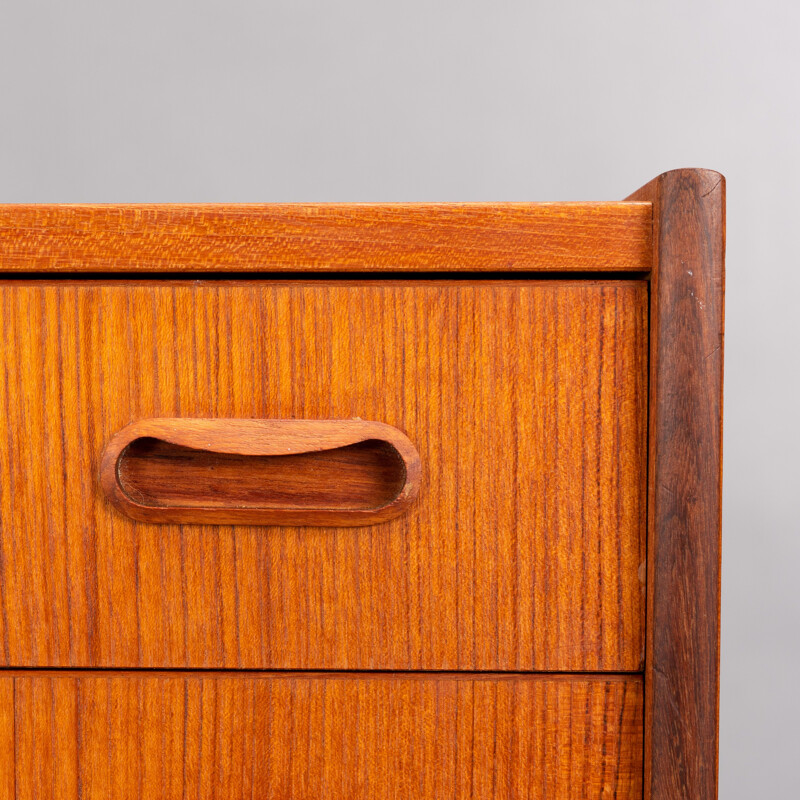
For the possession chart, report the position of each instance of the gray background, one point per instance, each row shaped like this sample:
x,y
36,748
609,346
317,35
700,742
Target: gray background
x,y
372,101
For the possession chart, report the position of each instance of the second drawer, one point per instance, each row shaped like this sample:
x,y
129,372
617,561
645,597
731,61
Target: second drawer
x,y
91,735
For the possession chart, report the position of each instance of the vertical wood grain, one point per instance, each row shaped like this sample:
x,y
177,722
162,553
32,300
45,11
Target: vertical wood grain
x,y
323,736
526,401
685,466
8,790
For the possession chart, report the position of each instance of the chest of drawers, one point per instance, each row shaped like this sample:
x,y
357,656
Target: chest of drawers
x,y
410,501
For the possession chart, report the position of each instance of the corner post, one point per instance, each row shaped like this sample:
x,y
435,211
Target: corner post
x,y
684,484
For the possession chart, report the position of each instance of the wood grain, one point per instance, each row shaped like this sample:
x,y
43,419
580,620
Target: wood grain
x,y
526,401
325,736
685,452
326,237
260,471
163,476
8,790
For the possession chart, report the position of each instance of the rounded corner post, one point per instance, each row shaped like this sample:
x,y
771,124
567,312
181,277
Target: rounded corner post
x,y
684,484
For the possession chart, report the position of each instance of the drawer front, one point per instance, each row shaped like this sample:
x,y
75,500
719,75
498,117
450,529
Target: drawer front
x,y
300,736
523,551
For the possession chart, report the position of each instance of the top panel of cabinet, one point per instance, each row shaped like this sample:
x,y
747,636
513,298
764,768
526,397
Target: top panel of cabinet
x,y
409,237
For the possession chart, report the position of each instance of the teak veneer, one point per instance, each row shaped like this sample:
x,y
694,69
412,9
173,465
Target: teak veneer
x,y
261,471
523,550
331,237
325,736
270,527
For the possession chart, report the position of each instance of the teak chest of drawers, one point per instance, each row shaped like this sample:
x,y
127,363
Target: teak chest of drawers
x,y
362,501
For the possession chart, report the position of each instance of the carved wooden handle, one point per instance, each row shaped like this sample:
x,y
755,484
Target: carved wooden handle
x,y
260,471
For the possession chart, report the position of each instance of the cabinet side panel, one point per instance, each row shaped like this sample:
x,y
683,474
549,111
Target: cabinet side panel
x,y
685,474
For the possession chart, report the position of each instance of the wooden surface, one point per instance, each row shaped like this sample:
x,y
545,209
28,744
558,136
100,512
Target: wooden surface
x,y
343,737
526,401
163,478
7,738
261,471
685,452
326,237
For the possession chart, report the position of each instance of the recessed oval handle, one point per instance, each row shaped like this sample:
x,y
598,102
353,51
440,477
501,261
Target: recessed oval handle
x,y
260,471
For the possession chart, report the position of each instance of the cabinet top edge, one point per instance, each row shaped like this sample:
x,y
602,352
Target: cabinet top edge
x,y
320,237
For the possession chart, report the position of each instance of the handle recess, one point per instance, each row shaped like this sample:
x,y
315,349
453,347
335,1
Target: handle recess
x,y
260,471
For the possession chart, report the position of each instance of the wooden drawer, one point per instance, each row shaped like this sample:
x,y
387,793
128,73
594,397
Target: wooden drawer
x,y
526,401
320,736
